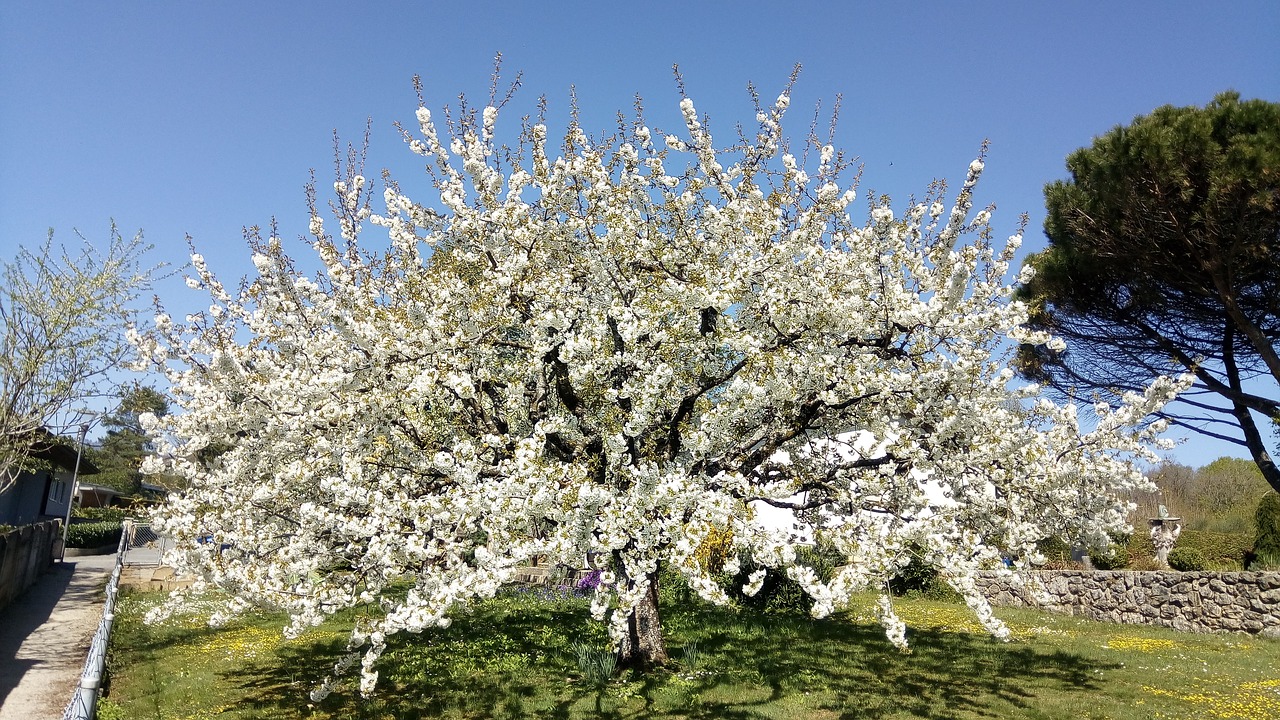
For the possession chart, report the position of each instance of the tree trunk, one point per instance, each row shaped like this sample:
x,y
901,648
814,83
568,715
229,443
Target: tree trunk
x,y
1244,417
643,647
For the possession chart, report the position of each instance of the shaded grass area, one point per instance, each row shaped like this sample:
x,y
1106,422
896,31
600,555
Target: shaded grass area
x,y
516,656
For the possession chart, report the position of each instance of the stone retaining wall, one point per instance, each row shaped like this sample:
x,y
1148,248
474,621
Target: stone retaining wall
x,y
549,575
1190,601
25,553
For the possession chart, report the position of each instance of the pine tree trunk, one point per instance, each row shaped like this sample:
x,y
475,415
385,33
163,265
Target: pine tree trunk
x,y
643,647
1244,417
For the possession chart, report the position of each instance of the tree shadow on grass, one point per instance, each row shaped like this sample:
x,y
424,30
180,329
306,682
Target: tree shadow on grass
x,y
517,664
490,663
853,672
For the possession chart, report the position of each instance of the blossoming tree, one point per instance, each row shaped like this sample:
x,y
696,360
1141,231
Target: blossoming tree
x,y
63,316
608,352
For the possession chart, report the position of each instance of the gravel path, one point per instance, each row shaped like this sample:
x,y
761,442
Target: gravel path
x,y
45,634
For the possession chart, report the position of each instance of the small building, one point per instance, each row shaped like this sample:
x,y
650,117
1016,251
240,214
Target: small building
x,y
44,494
96,496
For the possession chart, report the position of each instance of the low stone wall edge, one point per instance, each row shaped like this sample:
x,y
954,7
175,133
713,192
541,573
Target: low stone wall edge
x,y
1188,601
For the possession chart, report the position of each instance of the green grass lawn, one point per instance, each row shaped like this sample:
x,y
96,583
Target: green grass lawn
x,y
516,657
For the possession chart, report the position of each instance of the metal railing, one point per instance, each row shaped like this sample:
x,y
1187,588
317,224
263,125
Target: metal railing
x,y
84,702
142,534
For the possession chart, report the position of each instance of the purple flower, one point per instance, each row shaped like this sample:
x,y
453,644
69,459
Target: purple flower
x,y
589,582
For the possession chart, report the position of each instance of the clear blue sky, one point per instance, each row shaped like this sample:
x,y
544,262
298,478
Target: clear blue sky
x,y
201,118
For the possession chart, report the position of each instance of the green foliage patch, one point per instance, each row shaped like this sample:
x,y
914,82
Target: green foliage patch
x,y
103,514
1266,546
779,594
93,534
1219,551
1187,560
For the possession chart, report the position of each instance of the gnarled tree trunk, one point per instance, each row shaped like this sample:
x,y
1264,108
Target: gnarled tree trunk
x,y
643,646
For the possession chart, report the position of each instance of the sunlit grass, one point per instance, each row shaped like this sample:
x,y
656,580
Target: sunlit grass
x,y
517,657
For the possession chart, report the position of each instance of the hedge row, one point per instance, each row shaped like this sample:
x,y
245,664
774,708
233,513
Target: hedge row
x,y
1213,550
93,534
104,514
1221,551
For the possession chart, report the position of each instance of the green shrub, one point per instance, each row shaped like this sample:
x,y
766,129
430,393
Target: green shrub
x,y
920,579
1055,550
1140,549
1266,546
779,594
823,558
1187,559
1058,554
101,514
917,577
1224,551
1221,551
1114,556
93,534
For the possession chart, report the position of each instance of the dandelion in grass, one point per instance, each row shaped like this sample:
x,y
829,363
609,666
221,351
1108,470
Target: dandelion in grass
x,y
1258,700
1139,644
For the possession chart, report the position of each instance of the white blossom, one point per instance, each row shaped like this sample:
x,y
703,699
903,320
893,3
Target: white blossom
x,y
754,582
596,364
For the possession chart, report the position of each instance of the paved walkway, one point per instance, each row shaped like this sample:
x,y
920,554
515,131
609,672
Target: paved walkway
x,y
45,634
149,554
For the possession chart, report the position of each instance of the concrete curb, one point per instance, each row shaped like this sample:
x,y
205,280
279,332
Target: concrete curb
x,y
83,552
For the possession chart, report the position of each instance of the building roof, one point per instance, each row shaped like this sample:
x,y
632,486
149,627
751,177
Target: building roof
x,y
61,452
99,489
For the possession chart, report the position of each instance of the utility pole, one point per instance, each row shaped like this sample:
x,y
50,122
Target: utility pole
x,y
75,490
